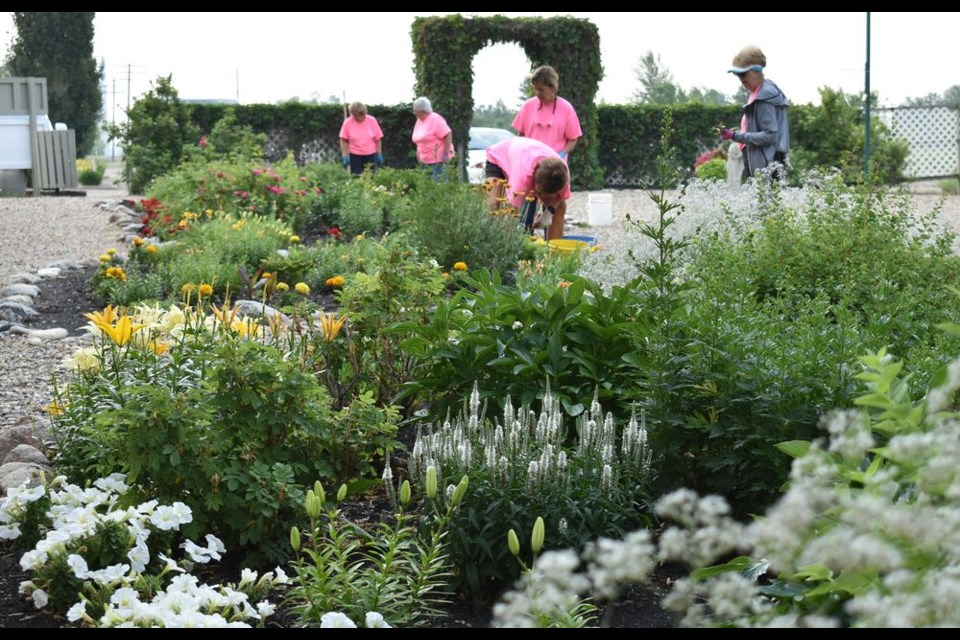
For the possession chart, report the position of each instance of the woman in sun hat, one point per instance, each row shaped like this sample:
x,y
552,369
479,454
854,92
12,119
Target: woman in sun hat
x,y
764,133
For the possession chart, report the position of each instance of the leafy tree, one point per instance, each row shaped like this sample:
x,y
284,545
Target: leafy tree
x,y
58,46
656,81
833,135
157,130
949,98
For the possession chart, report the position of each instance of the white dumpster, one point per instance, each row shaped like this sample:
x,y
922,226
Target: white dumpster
x,y
15,140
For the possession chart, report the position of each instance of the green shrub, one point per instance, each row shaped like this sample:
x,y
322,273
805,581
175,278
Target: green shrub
x,y
90,174
715,169
197,409
450,222
510,341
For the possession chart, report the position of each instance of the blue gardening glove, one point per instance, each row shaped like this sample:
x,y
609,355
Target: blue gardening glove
x,y
563,154
345,160
726,134
379,159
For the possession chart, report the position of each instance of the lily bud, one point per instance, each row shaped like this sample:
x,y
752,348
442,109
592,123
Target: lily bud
x,y
342,493
513,543
405,492
318,489
313,505
431,482
536,538
295,539
460,491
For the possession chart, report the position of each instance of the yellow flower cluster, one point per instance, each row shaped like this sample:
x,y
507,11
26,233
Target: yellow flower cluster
x,y
335,281
117,272
302,288
459,266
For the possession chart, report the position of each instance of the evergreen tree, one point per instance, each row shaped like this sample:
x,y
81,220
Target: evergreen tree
x,y
58,46
656,83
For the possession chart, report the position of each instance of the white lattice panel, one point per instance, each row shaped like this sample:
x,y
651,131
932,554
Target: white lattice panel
x,y
933,134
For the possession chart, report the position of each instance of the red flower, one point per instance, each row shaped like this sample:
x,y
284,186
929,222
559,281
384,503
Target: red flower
x,y
334,232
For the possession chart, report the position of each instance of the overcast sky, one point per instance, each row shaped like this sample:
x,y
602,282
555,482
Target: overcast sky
x,y
272,56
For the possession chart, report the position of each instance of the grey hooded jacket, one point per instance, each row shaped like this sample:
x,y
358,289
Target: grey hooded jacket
x,y
768,132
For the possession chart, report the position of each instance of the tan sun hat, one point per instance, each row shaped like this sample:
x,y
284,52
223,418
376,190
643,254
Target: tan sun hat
x,y
750,57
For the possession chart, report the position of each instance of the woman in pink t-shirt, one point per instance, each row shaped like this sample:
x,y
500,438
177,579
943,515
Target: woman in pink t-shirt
x,y
532,171
433,137
360,141
548,118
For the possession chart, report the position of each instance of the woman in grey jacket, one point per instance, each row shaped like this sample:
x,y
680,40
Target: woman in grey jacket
x,y
764,134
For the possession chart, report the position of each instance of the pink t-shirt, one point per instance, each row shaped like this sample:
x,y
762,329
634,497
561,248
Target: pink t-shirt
x,y
743,118
428,135
517,158
361,137
554,124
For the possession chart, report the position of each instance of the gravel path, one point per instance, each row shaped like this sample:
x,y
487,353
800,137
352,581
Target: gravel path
x,y
37,232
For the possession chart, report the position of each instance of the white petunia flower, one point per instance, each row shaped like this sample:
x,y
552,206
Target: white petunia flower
x,y
376,621
336,620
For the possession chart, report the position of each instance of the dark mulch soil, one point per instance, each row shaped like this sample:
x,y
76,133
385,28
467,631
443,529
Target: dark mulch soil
x,y
63,302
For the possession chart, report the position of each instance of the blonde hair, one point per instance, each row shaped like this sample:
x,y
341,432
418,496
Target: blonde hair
x,y
749,56
547,76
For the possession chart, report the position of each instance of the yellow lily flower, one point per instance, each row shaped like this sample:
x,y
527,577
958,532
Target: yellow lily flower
x,y
109,315
331,325
246,328
121,331
225,314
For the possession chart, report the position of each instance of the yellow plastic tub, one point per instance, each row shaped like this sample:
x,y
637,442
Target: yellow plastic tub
x,y
570,244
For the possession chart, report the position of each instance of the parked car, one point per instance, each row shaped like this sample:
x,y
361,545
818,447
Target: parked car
x,y
480,139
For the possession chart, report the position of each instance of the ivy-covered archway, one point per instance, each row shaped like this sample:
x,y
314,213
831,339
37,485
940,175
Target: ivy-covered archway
x,y
444,48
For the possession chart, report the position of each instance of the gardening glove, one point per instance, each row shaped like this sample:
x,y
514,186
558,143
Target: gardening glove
x,y
726,134
563,154
379,159
345,160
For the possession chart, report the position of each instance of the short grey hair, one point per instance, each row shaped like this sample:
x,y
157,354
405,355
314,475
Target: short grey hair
x,y
422,104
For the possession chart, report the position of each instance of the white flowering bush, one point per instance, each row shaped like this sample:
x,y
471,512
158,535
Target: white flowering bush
x,y
106,565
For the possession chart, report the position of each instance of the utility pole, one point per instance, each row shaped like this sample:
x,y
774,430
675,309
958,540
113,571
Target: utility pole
x,y
128,88
866,108
113,122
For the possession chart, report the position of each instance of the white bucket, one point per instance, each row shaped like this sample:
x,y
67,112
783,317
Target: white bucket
x,y
599,209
